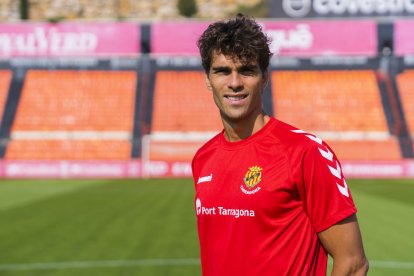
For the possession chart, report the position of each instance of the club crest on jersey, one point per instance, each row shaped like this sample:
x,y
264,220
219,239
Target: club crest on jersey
x,y
253,177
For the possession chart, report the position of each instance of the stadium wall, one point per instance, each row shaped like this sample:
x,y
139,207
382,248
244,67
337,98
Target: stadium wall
x,y
160,169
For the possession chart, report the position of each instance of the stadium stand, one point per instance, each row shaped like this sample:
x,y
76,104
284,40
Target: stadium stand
x,y
367,150
405,83
405,87
76,100
329,100
183,108
342,106
181,103
74,115
96,108
5,79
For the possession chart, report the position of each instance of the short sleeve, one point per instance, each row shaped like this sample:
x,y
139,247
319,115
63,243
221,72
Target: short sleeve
x,y
324,191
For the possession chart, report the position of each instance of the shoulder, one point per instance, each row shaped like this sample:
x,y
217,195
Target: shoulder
x,y
293,138
301,146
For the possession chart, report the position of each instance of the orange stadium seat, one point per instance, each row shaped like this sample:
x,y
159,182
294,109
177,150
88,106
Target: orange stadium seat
x,y
58,104
366,149
329,100
76,100
405,83
338,102
182,103
68,150
5,79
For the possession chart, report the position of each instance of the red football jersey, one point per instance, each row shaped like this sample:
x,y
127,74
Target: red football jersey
x,y
260,202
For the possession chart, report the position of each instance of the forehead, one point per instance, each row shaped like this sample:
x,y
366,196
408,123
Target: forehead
x,y
219,59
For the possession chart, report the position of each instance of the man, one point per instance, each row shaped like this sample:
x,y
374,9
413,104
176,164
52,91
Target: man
x,y
270,199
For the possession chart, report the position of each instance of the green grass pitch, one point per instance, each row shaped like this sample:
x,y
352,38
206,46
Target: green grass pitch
x,y
147,227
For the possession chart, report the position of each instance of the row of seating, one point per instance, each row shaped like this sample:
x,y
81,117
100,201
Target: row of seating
x,y
5,81
405,82
76,100
329,100
182,103
341,102
95,102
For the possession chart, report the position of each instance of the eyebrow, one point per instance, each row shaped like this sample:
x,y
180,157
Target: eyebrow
x,y
248,67
242,67
219,68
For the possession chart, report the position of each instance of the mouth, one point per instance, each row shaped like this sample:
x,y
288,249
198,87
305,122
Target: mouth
x,y
235,98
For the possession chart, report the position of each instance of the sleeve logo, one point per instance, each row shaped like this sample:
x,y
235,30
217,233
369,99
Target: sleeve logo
x,y
328,155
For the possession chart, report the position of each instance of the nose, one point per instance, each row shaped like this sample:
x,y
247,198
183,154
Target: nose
x,y
235,82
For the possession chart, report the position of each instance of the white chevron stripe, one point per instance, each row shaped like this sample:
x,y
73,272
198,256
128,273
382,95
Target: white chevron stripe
x,y
315,138
343,189
312,137
336,172
298,131
326,154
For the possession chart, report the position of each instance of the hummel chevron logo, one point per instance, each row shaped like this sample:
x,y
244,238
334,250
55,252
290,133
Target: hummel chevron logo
x,y
337,171
343,189
207,178
327,154
312,137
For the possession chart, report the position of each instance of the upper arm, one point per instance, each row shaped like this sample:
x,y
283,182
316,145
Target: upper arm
x,y
343,242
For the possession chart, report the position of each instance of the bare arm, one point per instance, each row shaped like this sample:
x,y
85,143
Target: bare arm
x,y
344,243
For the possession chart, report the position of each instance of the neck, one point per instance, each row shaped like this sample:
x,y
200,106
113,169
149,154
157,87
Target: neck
x,y
236,130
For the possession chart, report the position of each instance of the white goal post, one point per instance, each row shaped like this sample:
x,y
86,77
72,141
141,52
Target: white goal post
x,y
170,146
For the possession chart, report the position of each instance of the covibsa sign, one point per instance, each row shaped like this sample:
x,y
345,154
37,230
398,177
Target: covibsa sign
x,y
340,8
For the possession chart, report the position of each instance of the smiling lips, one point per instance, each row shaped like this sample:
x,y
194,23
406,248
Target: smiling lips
x,y
235,98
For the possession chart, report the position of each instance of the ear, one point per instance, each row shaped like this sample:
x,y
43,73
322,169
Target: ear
x,y
208,83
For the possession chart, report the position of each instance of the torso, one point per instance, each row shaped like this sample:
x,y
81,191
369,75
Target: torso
x,y
250,214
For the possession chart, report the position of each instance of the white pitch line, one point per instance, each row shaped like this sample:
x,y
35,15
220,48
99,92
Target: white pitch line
x,y
156,262
99,263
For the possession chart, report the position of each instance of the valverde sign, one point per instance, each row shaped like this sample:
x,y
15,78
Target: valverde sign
x,y
289,38
69,39
317,38
340,8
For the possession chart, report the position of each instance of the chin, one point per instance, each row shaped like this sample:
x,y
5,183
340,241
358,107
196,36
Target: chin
x,y
235,117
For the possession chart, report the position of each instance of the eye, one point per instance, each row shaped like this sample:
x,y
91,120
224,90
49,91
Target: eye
x,y
221,71
248,71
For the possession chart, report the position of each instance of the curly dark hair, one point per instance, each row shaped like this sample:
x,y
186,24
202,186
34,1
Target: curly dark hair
x,y
241,38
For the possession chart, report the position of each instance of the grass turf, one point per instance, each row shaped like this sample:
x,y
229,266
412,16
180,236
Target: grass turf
x,y
147,227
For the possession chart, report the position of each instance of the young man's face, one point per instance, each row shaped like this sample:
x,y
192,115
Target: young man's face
x,y
237,88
